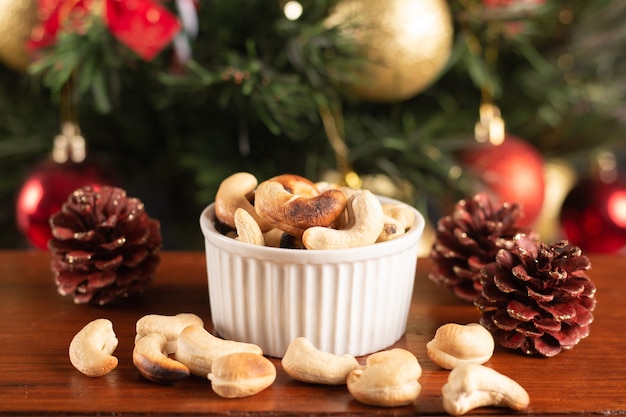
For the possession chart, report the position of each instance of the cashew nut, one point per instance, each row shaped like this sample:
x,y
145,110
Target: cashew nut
x,y
389,379
392,229
471,386
293,212
306,363
235,192
401,212
325,185
198,349
169,326
248,230
241,374
365,222
272,237
455,344
151,360
92,347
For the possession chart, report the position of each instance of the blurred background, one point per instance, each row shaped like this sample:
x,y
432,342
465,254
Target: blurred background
x,y
427,101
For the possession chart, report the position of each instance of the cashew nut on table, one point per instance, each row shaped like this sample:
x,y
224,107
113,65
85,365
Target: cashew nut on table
x,y
389,379
456,344
169,326
92,347
198,349
241,374
304,362
472,386
152,361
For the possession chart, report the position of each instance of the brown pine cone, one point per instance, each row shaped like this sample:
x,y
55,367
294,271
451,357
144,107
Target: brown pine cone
x,y
105,246
468,239
537,297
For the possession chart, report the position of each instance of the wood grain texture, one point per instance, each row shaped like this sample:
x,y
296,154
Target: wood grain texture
x,y
37,325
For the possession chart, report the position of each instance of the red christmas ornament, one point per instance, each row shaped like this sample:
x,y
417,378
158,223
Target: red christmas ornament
x,y
51,182
510,172
593,215
144,26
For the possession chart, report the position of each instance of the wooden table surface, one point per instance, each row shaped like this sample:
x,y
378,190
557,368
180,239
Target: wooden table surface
x,y
37,325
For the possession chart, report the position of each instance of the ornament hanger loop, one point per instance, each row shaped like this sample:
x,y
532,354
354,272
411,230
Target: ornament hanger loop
x,y
333,126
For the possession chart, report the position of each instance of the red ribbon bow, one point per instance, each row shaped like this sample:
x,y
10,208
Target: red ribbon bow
x,y
144,26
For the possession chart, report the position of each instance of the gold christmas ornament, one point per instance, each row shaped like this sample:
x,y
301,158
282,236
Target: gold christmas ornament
x,y
17,18
560,178
407,43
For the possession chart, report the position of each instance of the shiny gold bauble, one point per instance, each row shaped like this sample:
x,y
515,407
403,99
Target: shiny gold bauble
x,y
406,42
17,18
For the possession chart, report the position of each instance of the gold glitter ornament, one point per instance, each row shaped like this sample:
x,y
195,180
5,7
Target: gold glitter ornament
x,y
407,43
17,18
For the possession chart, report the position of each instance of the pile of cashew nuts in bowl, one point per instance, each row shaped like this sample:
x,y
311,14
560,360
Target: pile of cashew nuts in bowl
x,y
290,211
169,349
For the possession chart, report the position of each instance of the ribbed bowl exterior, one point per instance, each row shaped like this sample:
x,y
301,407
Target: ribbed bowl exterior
x,y
353,301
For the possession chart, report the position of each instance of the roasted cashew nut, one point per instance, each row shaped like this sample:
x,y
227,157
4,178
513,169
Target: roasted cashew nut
x,y
248,230
456,344
241,374
169,326
306,363
92,347
151,360
365,222
296,208
389,379
398,219
235,192
472,386
198,349
392,229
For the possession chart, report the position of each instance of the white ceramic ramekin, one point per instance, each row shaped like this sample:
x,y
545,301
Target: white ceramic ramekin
x,y
353,301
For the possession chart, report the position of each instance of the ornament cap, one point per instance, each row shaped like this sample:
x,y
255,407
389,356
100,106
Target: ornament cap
x,y
490,127
69,145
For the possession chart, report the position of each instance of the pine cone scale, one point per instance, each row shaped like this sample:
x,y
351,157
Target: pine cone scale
x,y
505,284
569,336
560,311
544,346
547,324
539,296
77,256
100,279
112,263
114,244
583,317
68,282
63,233
504,321
522,312
529,331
